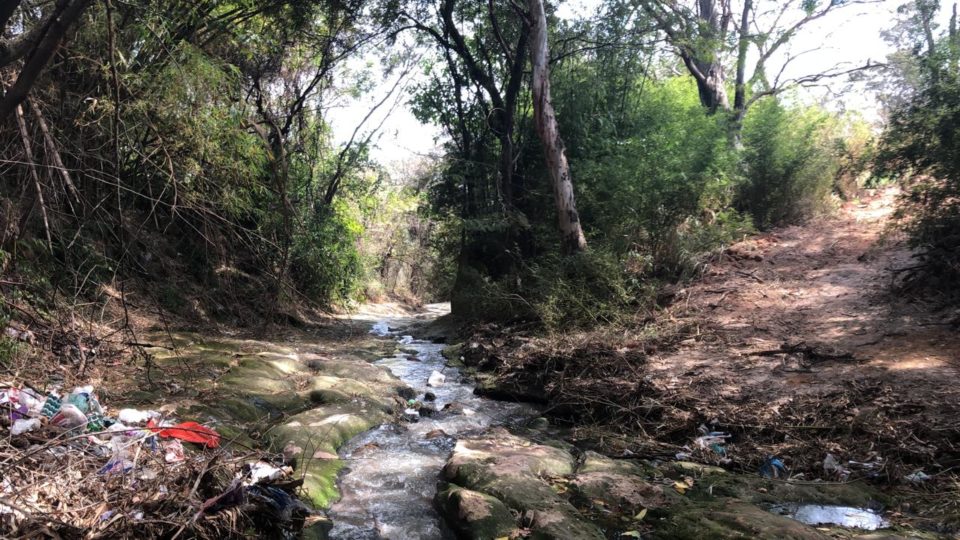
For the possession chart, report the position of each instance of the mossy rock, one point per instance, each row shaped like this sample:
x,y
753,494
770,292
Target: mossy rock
x,y
324,429
593,462
759,490
475,515
688,468
452,353
513,470
327,396
261,376
331,389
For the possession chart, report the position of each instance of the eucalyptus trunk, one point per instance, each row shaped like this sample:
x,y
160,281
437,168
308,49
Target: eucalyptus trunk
x,y
571,234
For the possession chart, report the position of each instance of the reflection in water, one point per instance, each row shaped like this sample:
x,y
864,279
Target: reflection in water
x,y
392,471
844,516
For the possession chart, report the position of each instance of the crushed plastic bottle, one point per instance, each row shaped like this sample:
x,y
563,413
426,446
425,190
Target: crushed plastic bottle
x,y
69,417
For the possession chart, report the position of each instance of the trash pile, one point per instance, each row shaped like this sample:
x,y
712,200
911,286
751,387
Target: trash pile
x,y
70,468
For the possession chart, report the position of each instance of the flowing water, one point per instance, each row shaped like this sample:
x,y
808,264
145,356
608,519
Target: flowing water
x,y
392,471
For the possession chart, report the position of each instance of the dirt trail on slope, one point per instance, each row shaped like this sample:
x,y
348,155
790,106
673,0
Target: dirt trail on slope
x,y
800,336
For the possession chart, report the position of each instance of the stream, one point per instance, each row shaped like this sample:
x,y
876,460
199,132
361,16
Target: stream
x,y
392,471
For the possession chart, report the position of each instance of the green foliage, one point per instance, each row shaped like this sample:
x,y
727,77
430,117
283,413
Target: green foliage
x,y
557,291
856,148
921,144
666,163
8,347
789,164
325,264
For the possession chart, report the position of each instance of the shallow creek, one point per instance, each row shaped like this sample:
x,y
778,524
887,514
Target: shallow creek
x,y
392,471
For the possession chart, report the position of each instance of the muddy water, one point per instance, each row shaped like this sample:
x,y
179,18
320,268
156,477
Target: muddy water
x,y
392,471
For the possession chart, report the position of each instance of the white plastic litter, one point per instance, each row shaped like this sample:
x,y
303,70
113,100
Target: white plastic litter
x,y
262,470
135,416
23,425
917,477
69,417
436,379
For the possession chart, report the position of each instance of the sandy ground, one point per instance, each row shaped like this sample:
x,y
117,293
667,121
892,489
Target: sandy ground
x,y
805,324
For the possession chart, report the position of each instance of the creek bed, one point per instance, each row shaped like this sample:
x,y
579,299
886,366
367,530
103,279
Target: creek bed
x,y
392,471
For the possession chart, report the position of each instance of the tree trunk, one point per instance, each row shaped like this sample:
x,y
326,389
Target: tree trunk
x,y
571,234
44,50
713,20
713,92
740,92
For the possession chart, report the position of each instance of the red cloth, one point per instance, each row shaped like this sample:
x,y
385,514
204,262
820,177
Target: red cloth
x,y
188,431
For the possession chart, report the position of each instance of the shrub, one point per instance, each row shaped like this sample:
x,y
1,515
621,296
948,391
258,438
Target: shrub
x,y
789,165
325,264
921,143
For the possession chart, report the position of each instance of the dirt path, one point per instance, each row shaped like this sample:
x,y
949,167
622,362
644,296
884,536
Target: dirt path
x,y
798,328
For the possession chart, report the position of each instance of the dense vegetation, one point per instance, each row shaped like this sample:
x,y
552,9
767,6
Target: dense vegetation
x,y
185,148
921,145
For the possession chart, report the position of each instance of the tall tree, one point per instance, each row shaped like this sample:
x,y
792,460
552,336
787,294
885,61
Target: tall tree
x,y
571,233
701,36
495,67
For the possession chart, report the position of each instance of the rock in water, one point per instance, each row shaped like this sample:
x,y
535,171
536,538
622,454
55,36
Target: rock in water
x,y
436,379
411,415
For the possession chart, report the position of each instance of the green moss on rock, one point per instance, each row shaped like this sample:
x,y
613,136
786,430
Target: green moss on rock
x,y
475,515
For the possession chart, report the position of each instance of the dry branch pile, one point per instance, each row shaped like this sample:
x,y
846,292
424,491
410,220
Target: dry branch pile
x,y
602,385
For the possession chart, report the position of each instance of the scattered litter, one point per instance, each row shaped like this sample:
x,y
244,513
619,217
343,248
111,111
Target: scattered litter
x,y
19,334
188,431
51,405
21,402
22,425
436,379
69,417
411,415
833,468
262,471
83,398
917,477
683,485
283,506
845,516
712,440
173,451
134,416
71,452
772,467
